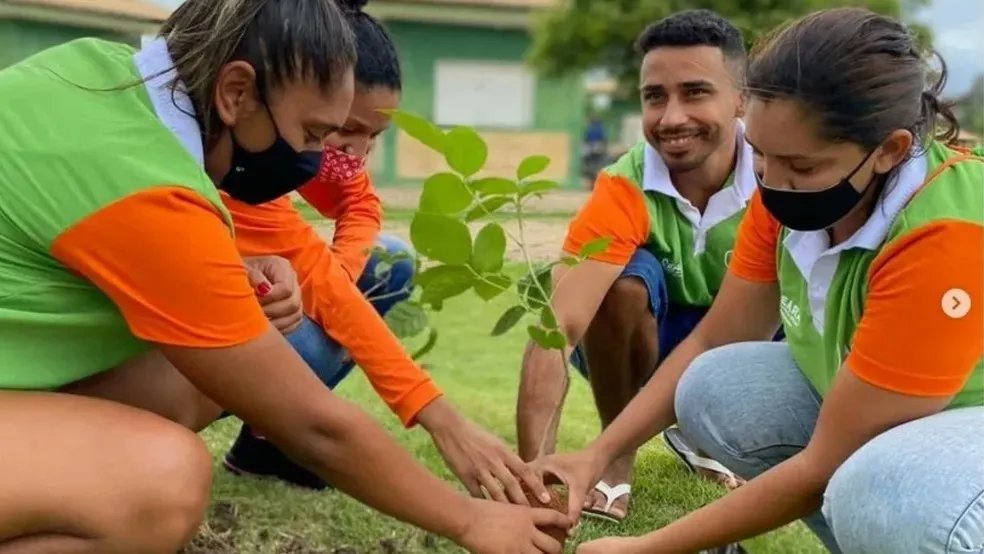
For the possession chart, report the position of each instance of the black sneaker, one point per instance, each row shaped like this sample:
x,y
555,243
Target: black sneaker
x,y
258,457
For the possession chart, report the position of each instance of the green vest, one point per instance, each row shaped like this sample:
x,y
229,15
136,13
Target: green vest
x,y
821,313
66,151
693,248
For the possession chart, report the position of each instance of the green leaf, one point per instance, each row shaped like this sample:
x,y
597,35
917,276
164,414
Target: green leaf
x,y
537,187
445,193
443,288
490,249
406,319
421,129
465,151
449,272
570,261
487,207
427,347
495,185
492,286
596,246
441,238
508,320
547,318
531,166
551,340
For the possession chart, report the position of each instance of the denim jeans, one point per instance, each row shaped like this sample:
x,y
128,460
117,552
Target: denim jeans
x,y
915,489
327,358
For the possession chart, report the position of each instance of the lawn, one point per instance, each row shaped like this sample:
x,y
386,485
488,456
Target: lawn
x,y
480,374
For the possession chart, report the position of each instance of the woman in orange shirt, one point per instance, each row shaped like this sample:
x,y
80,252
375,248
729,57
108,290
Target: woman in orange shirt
x,y
339,327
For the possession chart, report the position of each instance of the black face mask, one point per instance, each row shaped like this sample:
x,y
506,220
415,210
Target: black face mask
x,y
812,210
259,177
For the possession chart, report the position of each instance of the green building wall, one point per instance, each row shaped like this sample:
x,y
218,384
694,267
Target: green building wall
x,y
20,39
558,103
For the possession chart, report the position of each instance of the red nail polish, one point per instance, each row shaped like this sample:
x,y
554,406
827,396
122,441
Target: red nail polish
x,y
263,289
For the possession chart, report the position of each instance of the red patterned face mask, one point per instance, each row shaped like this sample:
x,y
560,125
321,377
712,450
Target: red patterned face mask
x,y
338,166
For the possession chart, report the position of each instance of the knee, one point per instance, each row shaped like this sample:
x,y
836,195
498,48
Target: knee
x,y
879,501
698,401
626,300
167,501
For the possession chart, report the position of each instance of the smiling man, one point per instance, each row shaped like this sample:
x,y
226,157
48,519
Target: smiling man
x,y
671,207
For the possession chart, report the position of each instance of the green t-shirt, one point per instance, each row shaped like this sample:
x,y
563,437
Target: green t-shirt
x,y
72,145
824,290
693,248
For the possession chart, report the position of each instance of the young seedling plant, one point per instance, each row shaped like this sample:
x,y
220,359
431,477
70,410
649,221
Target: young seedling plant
x,y
454,262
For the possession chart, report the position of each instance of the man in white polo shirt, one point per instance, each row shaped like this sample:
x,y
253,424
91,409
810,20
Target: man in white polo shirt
x,y
671,207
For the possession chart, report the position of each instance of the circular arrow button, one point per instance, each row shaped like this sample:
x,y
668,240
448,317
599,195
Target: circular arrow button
x,y
955,303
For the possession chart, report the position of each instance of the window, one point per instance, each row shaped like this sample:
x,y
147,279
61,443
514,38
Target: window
x,y
483,94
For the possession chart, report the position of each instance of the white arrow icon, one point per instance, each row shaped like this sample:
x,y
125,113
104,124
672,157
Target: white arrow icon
x,y
955,303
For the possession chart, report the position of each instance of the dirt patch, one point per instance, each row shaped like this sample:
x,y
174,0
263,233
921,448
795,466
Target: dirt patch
x,y
217,533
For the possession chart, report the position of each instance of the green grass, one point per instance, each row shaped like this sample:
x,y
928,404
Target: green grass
x,y
479,374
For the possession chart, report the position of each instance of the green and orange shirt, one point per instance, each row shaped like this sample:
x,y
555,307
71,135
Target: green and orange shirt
x,y
112,236
328,272
635,205
874,302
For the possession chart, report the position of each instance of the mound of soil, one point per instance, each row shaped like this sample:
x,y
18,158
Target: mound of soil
x,y
558,502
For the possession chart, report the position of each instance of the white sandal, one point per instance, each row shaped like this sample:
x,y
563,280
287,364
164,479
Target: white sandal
x,y
611,494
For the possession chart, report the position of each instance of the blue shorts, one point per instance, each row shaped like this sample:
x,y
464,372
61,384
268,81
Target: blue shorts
x,y
673,321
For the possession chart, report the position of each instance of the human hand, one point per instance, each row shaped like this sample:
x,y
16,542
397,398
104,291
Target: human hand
x,y
478,458
278,291
578,470
497,528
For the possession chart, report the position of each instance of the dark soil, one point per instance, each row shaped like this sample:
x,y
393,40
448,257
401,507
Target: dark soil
x,y
558,502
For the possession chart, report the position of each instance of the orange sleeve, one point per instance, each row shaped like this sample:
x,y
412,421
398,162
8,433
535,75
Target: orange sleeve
x,y
332,299
167,259
754,257
358,216
905,342
616,209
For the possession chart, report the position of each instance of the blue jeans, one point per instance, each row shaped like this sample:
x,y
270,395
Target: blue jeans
x,y
673,321
327,358
917,488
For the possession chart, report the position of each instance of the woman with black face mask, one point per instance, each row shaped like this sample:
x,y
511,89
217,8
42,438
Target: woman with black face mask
x,y
126,314
866,241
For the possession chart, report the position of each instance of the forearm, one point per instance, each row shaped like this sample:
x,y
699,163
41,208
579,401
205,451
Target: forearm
x,y
782,495
542,390
652,410
268,385
362,460
354,238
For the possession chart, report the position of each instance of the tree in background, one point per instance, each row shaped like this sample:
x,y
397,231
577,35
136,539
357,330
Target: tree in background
x,y
971,108
578,35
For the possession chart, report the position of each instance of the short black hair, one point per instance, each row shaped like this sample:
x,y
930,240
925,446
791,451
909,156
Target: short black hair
x,y
694,28
377,64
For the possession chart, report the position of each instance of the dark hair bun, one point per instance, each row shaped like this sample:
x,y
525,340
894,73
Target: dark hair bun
x,y
352,5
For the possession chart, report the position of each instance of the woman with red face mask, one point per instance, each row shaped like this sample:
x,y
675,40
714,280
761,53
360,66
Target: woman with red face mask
x,y
344,300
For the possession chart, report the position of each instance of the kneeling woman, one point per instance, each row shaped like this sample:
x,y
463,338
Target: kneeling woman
x,y
866,240
344,297
126,310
